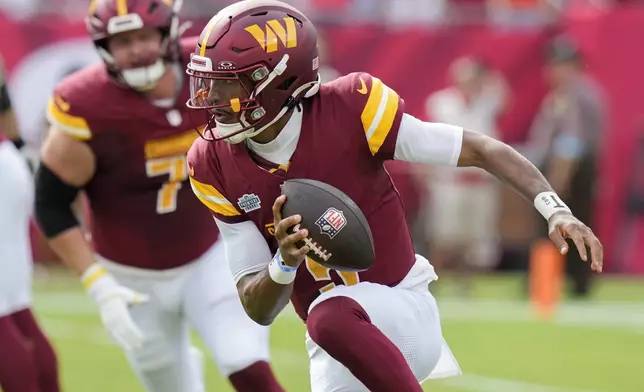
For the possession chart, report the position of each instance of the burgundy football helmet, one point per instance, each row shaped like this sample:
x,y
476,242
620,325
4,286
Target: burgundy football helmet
x,y
269,49
110,17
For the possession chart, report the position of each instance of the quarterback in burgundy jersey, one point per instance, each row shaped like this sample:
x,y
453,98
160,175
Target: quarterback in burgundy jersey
x,y
254,76
120,131
332,148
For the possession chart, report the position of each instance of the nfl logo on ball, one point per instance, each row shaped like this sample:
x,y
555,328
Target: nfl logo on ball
x,y
331,222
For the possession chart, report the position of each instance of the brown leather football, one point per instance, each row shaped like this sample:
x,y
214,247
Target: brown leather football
x,y
339,234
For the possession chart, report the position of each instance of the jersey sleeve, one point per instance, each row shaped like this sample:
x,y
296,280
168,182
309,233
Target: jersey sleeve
x,y
379,108
68,110
246,249
430,143
207,185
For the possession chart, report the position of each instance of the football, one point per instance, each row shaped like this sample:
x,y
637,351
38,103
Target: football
x,y
339,234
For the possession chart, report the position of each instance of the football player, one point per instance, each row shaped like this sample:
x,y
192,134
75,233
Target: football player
x,y
29,363
120,132
254,74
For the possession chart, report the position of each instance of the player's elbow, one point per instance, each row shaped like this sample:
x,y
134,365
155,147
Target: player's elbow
x,y
478,150
255,312
261,319
253,306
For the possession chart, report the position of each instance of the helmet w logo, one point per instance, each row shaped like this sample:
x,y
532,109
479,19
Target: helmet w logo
x,y
274,30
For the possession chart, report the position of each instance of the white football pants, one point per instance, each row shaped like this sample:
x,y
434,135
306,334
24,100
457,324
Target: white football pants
x,y
407,314
202,295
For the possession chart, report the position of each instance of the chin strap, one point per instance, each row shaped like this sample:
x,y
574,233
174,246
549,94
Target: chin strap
x,y
293,101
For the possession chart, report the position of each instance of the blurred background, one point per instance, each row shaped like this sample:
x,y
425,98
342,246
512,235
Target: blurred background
x,y
560,80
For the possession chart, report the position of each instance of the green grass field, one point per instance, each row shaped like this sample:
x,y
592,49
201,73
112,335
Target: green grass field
x,y
590,346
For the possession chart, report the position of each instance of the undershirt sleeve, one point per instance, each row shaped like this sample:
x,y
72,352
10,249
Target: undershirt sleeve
x,y
246,249
426,142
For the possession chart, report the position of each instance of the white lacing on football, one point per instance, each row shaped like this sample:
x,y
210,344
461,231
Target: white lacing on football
x,y
317,249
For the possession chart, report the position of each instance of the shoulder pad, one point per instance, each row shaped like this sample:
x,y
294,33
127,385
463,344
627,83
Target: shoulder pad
x,y
76,103
379,106
206,181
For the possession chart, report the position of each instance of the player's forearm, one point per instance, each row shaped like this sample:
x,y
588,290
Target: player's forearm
x,y
504,162
263,299
74,251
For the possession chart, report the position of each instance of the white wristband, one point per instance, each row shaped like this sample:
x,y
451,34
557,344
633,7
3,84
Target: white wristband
x,y
548,203
279,272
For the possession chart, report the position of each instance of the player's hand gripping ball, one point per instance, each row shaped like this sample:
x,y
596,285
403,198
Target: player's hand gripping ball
x,y
339,236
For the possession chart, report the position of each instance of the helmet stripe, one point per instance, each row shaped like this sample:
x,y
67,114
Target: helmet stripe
x,y
208,32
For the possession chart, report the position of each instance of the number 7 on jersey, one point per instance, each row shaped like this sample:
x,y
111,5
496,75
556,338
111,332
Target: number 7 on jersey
x,y
176,167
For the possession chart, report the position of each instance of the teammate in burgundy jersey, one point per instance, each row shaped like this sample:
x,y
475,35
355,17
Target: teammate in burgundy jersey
x,y
141,215
120,131
254,74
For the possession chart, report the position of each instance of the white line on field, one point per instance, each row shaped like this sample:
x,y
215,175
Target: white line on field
x,y
626,316
479,383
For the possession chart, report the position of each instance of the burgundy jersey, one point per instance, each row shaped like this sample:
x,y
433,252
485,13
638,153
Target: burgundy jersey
x,y
2,137
142,212
348,130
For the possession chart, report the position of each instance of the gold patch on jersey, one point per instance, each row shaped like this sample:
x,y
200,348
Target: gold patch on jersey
x,y
170,145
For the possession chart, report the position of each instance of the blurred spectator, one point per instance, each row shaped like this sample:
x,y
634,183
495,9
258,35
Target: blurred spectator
x,y
414,11
565,138
523,13
467,11
20,9
463,207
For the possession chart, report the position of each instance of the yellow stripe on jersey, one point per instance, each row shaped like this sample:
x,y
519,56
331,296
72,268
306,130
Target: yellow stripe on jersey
x,y
170,145
74,126
378,114
213,199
